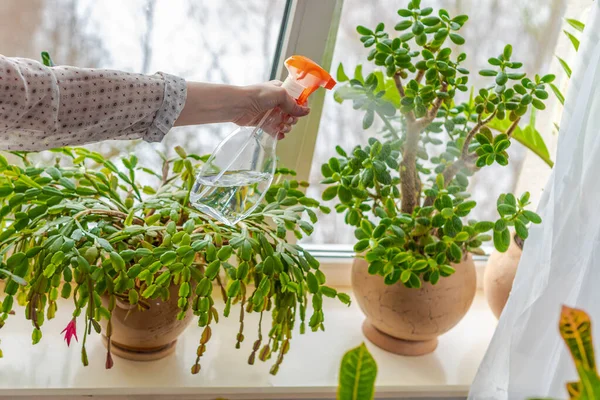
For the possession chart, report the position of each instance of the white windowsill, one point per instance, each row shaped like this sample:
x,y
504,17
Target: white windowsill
x,y
310,369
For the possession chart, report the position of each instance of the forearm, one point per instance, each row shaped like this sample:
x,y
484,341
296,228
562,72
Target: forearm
x,y
63,106
209,103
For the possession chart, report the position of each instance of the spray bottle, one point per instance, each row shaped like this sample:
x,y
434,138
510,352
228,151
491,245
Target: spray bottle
x,y
236,177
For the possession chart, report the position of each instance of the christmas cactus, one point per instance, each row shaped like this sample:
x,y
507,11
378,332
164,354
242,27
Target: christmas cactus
x,y
84,228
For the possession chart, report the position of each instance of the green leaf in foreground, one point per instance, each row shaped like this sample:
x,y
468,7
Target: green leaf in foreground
x,y
576,24
557,93
357,375
573,39
565,66
532,139
576,330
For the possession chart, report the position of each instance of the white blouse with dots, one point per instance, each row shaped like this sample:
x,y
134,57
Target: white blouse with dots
x,y
45,107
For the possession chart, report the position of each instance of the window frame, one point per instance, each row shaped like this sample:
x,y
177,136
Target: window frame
x,y
310,30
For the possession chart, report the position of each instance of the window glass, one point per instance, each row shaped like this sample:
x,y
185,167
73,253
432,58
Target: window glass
x,y
230,41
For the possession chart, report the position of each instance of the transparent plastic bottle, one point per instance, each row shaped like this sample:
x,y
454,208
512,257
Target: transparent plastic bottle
x,y
236,177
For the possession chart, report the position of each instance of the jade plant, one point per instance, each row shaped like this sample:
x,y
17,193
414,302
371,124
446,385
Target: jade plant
x,y
84,228
406,191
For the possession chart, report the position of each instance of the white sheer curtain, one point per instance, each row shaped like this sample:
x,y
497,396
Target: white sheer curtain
x,y
561,260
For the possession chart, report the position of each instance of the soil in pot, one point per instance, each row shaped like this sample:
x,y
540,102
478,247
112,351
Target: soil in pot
x,y
499,275
148,334
408,321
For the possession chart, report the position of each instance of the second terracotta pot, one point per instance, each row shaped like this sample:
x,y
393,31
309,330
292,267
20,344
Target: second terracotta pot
x,y
499,275
408,321
149,334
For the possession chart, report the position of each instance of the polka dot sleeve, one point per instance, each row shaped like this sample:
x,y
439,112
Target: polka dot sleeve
x,y
42,107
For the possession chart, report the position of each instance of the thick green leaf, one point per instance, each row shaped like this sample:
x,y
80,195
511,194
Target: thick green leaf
x,y
313,284
533,217
507,52
54,173
521,229
117,261
358,371
168,258
506,209
180,151
457,39
16,260
368,119
29,182
5,191
528,137
330,193
502,240
483,226
344,194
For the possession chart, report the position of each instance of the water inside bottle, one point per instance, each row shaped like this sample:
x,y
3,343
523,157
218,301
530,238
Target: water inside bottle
x,y
227,197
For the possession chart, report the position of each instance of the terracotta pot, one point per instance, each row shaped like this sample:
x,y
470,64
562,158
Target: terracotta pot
x,y
408,321
149,334
499,275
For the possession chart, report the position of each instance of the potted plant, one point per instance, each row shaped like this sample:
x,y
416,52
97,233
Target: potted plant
x,y
405,193
139,262
501,267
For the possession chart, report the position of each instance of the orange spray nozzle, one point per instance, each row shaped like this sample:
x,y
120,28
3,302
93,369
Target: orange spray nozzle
x,y
308,75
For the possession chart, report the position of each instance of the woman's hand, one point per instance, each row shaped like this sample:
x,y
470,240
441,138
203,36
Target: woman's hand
x,y
244,105
268,96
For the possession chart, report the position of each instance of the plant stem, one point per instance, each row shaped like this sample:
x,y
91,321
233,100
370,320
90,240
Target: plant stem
x,y
432,113
410,182
408,170
165,172
423,122
110,213
451,171
386,122
420,75
512,127
448,174
473,132
113,195
410,116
